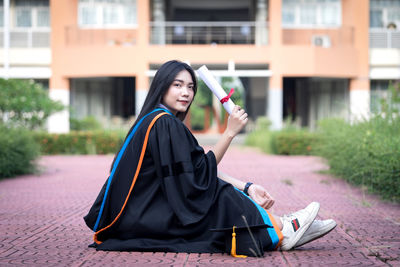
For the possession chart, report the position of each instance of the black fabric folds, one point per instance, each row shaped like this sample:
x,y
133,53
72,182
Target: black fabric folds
x,y
176,199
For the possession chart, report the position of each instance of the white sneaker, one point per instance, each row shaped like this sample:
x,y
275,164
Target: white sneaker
x,y
296,224
317,229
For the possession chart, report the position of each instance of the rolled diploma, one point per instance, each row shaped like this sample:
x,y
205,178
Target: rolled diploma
x,y
215,87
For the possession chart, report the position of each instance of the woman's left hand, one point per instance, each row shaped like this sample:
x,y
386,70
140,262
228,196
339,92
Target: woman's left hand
x,y
261,196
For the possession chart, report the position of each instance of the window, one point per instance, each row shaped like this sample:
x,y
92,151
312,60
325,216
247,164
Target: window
x,y
384,14
311,13
1,16
32,14
43,17
107,13
23,17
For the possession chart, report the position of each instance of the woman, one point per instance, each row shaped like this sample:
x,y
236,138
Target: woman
x,y
164,194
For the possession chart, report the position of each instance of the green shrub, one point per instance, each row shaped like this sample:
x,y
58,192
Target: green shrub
x,y
89,123
25,104
288,141
18,152
197,116
261,136
299,142
367,153
202,99
87,142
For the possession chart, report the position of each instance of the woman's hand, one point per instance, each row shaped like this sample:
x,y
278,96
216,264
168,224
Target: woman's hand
x,y
236,121
261,196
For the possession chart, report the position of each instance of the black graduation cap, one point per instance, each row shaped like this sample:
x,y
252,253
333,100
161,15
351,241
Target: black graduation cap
x,y
241,242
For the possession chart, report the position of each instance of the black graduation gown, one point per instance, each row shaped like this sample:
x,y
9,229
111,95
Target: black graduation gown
x,y
176,199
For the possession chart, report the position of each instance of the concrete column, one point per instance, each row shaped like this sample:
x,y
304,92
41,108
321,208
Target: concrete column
x,y
275,101
144,17
142,85
275,23
59,122
261,21
6,38
359,99
140,96
158,33
275,91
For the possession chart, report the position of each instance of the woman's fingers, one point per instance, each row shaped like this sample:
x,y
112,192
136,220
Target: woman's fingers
x,y
241,113
261,196
235,109
270,203
237,120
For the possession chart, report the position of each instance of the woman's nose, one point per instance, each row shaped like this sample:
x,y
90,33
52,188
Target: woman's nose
x,y
185,91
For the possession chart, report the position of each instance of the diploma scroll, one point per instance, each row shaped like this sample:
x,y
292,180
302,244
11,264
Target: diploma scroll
x,y
215,87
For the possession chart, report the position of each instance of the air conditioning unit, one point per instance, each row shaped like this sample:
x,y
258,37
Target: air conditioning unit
x,y
321,40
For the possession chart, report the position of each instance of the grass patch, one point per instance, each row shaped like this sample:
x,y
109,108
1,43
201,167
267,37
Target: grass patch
x,y
327,182
287,181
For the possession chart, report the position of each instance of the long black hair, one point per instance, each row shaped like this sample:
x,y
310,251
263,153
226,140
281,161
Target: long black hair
x,y
163,79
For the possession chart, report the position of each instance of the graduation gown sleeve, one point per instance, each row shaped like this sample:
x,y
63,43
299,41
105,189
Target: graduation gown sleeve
x,y
189,176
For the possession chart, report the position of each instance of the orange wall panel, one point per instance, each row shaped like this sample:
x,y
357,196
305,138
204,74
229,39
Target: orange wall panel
x,y
128,52
210,54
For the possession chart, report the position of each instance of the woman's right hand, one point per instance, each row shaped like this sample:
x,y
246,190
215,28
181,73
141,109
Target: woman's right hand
x,y
236,121
261,196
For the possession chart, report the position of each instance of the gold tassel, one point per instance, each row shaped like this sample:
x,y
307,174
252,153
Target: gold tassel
x,y
233,249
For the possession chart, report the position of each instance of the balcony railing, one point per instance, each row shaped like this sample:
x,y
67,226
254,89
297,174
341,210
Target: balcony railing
x,y
196,32
28,38
76,36
384,38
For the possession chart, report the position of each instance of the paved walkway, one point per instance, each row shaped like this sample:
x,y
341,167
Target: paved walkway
x,y
41,216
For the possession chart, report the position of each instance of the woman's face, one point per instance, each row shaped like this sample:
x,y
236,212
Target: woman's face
x,y
180,93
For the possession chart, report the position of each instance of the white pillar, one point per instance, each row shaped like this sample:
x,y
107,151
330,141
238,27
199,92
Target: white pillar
x,y
140,96
275,107
359,104
6,38
59,122
261,23
158,31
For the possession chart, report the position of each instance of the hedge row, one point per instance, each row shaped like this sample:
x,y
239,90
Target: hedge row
x,y
18,152
366,154
98,142
298,142
289,141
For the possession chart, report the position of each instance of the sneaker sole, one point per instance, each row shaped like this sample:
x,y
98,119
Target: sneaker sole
x,y
302,230
325,231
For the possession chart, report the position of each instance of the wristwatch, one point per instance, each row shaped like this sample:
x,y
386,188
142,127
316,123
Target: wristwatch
x,y
246,188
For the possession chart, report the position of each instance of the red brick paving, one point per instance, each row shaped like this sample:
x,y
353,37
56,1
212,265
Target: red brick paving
x,y
41,216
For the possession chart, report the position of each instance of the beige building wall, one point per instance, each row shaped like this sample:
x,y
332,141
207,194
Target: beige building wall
x,y
106,52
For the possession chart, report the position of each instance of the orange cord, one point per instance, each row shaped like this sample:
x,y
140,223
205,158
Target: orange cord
x,y
278,232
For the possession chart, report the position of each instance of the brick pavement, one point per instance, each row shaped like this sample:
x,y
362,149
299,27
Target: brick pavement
x,y
41,216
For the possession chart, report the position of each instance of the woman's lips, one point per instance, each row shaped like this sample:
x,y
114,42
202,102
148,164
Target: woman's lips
x,y
183,101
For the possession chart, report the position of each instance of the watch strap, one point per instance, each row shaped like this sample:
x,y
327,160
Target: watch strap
x,y
246,188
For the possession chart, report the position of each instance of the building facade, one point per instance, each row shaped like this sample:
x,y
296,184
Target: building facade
x,y
25,40
384,48
303,59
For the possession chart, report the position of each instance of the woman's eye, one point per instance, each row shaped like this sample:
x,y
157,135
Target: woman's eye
x,y
177,84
